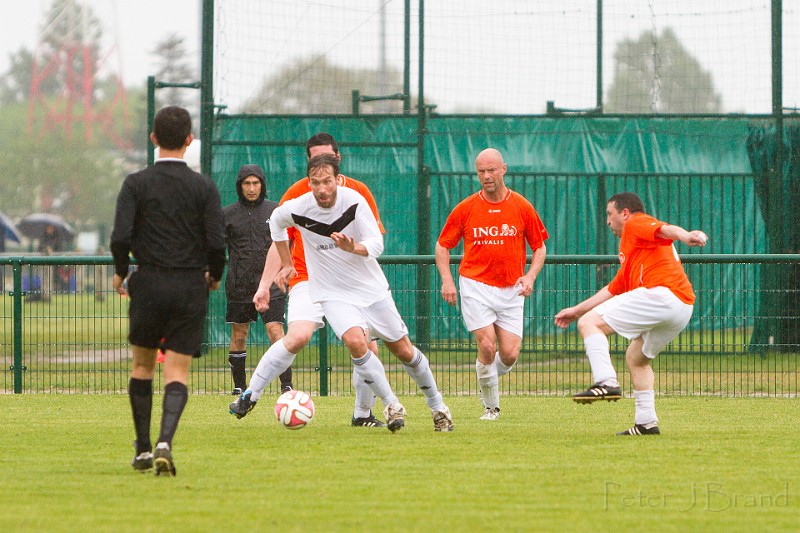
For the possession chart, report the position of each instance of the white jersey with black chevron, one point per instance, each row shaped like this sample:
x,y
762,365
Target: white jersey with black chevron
x,y
333,274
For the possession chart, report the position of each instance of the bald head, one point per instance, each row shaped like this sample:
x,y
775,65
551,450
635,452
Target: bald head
x,y
491,173
490,155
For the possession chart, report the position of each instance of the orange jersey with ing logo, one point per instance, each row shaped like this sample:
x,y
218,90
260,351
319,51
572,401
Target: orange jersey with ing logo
x,y
299,188
494,237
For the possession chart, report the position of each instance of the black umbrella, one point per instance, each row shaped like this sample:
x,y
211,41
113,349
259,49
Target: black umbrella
x,y
35,226
8,227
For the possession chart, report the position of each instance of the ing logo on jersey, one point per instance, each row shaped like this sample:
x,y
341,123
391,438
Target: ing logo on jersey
x,y
494,231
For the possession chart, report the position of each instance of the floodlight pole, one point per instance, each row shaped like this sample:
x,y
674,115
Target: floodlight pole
x,y
207,87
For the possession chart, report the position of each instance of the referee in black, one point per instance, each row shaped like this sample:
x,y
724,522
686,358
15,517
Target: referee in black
x,y
170,218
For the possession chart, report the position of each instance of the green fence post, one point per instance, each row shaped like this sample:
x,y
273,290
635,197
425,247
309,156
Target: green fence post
x,y
324,377
17,368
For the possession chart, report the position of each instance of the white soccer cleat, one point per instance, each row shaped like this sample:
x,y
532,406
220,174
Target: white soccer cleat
x,y
491,413
395,415
442,421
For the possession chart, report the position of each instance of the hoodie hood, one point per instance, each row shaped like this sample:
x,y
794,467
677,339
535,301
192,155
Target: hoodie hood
x,y
244,172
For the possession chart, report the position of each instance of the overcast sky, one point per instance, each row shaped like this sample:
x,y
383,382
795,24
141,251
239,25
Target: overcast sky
x,y
732,42
132,28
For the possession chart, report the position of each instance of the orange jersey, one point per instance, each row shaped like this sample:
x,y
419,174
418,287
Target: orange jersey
x,y
649,261
299,188
494,237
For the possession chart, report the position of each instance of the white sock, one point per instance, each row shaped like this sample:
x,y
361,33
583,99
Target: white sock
x,y
273,363
487,380
365,398
369,369
502,369
420,371
645,407
597,351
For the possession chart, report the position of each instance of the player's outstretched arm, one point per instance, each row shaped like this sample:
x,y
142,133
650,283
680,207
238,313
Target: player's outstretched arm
x,y
677,233
567,316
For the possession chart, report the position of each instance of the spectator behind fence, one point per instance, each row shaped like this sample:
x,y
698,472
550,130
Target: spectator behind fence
x,y
248,236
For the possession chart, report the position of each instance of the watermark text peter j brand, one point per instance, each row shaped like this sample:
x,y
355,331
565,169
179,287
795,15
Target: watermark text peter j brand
x,y
699,496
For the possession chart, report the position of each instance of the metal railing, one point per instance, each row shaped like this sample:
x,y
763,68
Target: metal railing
x,y
65,331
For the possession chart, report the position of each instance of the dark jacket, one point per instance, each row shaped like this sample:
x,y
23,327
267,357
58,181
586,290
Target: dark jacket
x,y
170,217
249,239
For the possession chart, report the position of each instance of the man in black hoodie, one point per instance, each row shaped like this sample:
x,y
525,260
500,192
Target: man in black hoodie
x,y
247,231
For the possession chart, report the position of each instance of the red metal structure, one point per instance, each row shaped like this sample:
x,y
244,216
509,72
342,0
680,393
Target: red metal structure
x,y
74,67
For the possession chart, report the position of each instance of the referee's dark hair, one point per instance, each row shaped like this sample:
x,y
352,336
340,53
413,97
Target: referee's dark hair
x,y
323,160
171,127
321,139
627,200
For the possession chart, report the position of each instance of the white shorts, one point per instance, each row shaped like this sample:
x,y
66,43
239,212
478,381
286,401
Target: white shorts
x,y
302,308
380,319
483,305
656,315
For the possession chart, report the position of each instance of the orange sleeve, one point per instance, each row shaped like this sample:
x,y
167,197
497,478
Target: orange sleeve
x,y
364,191
453,229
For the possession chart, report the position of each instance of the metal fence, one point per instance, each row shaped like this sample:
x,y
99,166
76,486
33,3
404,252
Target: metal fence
x,y
65,331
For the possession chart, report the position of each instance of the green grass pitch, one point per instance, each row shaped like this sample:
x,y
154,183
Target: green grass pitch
x,y
547,465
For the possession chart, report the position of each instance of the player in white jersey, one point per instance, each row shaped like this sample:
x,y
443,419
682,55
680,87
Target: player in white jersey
x,y
342,241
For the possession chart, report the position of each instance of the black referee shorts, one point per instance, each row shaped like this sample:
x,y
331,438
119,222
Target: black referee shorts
x,y
168,304
244,312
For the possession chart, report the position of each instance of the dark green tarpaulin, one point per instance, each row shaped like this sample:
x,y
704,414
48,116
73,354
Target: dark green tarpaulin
x,y
692,172
778,192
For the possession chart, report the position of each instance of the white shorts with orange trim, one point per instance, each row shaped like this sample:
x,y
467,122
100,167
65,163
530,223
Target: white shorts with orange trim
x,y
656,315
381,319
483,305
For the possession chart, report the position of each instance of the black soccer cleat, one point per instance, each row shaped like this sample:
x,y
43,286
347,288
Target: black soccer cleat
x,y
286,388
162,459
641,429
367,422
598,392
143,461
237,392
242,405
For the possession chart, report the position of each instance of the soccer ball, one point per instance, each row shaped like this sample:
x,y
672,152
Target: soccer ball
x,y
294,409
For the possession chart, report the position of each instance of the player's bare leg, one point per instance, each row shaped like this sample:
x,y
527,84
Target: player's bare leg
x,y
645,420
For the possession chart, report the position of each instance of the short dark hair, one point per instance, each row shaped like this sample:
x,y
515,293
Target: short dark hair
x,y
171,127
627,200
321,139
323,160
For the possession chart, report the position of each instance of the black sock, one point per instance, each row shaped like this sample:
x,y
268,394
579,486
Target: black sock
x,y
175,396
286,378
237,361
140,392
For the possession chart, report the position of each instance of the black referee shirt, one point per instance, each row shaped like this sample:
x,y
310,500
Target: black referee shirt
x,y
169,216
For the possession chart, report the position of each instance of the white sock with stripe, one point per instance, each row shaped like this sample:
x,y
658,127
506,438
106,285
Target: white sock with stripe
x,y
420,371
273,363
365,398
369,369
645,407
597,350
